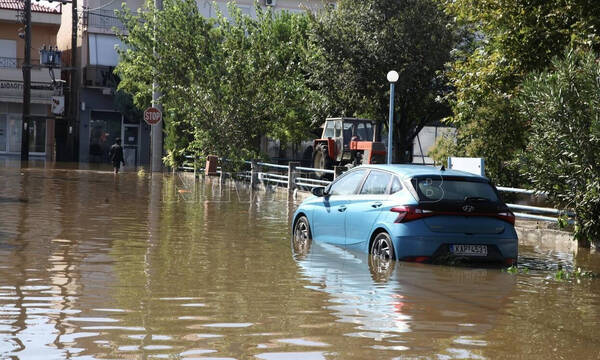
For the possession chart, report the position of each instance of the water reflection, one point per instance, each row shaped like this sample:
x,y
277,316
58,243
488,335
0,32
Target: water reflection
x,y
94,266
422,307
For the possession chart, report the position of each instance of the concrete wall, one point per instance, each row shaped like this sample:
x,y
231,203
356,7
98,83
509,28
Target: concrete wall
x,y
36,17
40,35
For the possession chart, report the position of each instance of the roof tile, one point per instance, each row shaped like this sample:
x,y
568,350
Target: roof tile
x,y
35,6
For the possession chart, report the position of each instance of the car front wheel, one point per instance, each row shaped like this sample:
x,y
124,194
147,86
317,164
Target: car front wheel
x,y
382,246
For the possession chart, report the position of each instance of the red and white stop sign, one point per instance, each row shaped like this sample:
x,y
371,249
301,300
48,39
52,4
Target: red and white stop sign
x,y
152,116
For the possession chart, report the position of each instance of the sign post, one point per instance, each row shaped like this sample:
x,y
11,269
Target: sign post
x,y
152,116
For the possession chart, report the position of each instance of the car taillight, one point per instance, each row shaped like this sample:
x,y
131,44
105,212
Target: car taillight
x,y
507,216
409,213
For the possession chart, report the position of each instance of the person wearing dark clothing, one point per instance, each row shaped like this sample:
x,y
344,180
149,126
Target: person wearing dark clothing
x,y
116,155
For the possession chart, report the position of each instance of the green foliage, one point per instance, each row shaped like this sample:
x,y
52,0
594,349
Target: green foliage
x,y
516,270
356,43
444,147
562,274
504,41
224,83
563,155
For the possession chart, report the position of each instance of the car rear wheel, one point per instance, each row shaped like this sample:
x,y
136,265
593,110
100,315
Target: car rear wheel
x,y
382,246
302,238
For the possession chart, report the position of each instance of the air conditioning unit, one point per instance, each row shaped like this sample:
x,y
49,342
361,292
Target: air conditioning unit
x,y
270,2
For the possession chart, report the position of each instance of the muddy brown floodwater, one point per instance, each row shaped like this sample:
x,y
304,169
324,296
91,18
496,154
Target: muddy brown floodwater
x,y
97,266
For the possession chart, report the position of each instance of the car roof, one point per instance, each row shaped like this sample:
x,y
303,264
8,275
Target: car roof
x,y
409,171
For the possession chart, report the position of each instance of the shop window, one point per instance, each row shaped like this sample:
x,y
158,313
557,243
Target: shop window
x,y
105,127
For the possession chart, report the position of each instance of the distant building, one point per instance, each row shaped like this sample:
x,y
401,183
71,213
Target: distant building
x,y
426,139
99,119
45,24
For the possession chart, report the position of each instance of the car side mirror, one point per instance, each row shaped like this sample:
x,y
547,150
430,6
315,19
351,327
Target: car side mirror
x,y
318,191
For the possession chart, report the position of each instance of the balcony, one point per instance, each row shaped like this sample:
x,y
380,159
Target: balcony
x,y
11,69
103,20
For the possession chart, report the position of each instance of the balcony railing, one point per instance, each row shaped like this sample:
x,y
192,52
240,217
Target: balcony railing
x,y
103,19
7,62
14,63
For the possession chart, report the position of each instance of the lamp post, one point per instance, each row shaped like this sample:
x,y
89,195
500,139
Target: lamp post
x,y
392,77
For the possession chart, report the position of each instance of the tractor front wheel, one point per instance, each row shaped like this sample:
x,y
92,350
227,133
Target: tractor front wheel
x,y
321,160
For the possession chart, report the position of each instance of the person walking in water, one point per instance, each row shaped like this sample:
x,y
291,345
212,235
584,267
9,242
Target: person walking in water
x,y
116,155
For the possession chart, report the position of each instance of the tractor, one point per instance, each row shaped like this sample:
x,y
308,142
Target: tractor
x,y
347,141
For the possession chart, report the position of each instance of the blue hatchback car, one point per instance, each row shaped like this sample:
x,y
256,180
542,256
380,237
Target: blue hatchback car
x,y
412,213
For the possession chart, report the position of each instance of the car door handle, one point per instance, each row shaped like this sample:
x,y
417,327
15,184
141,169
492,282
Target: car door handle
x,y
342,208
377,204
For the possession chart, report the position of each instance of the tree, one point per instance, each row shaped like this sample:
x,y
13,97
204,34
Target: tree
x,y
507,41
563,154
356,43
225,83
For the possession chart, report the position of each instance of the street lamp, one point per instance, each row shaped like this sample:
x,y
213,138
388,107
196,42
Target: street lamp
x,y
392,77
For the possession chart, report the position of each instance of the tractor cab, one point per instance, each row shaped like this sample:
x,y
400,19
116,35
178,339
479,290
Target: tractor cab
x,y
347,141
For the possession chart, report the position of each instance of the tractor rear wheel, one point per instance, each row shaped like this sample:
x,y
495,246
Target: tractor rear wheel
x,y
321,160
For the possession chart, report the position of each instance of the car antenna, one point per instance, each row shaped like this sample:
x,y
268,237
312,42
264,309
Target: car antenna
x,y
442,168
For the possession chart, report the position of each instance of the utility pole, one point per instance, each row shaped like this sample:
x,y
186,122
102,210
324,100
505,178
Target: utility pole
x,y
74,88
26,83
157,129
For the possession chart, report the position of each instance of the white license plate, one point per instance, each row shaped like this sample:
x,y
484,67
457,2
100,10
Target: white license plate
x,y
469,250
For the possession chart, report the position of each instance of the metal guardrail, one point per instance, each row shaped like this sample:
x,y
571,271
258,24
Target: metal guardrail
x,y
325,171
519,191
531,212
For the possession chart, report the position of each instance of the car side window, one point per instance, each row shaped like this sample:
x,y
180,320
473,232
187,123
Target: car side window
x,y
376,183
347,184
396,186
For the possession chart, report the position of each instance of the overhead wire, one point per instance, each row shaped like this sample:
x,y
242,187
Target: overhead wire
x,y
102,6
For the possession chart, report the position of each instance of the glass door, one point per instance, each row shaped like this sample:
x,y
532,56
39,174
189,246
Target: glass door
x,y
14,125
105,127
130,143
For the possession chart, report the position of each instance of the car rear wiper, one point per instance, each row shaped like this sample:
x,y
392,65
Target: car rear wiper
x,y
476,198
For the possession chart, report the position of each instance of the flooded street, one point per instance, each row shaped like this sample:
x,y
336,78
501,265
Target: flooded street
x,y
97,266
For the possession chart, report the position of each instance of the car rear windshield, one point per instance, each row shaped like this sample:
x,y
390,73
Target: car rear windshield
x,y
452,189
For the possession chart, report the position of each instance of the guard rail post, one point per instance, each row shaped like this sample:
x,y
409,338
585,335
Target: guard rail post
x,y
291,185
221,173
254,170
195,167
339,170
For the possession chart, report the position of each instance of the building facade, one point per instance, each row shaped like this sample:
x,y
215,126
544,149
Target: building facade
x,y
45,24
100,120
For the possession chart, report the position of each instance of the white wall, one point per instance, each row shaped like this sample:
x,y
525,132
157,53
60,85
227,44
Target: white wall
x,y
8,48
247,6
428,136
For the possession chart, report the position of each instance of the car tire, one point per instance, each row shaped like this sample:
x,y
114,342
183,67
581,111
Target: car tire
x,y
302,237
382,246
